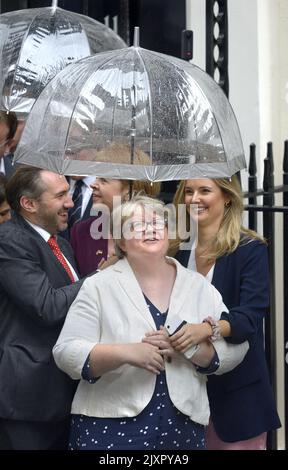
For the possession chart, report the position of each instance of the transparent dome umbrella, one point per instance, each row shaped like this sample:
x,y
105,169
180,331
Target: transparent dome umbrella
x,y
133,114
37,43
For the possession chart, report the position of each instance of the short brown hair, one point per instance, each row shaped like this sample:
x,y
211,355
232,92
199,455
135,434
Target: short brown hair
x,y
26,181
3,182
10,119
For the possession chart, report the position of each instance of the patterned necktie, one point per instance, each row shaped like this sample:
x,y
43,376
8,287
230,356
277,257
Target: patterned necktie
x,y
74,214
57,252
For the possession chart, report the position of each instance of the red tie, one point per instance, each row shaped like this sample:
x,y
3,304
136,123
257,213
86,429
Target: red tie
x,y
57,252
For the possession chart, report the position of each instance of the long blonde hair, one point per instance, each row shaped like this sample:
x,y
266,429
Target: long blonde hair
x,y
231,231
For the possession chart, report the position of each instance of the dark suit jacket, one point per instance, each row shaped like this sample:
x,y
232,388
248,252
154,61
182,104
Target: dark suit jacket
x,y
35,295
88,251
9,168
241,401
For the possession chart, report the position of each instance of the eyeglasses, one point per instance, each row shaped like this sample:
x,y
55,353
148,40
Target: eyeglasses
x,y
2,144
142,225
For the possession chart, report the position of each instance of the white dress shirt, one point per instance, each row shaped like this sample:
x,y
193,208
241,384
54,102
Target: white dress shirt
x,y
192,264
46,235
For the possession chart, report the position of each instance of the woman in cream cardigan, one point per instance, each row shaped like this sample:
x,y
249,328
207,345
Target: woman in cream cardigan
x,y
135,391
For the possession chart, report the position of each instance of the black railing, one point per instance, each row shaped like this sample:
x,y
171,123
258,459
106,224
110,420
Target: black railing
x,y
268,210
285,283
217,42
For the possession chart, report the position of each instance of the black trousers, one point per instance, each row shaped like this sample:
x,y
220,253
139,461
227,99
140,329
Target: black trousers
x,y
30,435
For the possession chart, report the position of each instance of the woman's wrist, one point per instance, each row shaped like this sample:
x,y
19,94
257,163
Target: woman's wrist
x,y
208,330
215,328
204,354
225,328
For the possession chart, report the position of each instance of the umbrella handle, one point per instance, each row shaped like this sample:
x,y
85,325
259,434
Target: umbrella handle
x,y
136,38
54,4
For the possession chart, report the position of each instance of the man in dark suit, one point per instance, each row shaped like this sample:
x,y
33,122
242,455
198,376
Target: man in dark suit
x,y
81,193
38,283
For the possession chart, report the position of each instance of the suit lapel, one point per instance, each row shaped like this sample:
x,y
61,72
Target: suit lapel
x,y
8,165
87,211
219,270
132,289
219,273
181,290
129,284
21,221
68,255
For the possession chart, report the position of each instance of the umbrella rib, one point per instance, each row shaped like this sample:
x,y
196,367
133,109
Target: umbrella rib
x,y
133,115
211,110
150,102
21,48
114,110
214,119
195,127
76,102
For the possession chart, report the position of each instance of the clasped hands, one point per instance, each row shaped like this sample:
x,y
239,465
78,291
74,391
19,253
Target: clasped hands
x,y
157,346
189,335
151,352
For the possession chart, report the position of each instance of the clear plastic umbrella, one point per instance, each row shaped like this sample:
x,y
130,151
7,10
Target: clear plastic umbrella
x,y
37,43
133,114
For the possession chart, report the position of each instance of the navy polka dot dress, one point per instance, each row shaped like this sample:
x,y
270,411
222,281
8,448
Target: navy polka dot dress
x,y
160,426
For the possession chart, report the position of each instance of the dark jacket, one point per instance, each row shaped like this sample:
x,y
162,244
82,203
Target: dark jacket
x,y
8,165
35,295
88,248
241,401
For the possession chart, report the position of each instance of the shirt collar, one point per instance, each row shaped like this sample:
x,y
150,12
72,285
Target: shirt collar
x,y
42,232
88,180
2,165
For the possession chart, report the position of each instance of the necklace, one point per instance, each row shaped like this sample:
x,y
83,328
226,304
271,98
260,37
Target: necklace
x,y
201,251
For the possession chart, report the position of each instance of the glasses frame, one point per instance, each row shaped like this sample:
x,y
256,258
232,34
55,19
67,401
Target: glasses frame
x,y
146,224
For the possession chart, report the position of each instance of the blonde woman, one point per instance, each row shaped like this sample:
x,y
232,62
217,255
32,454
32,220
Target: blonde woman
x,y
235,261
135,391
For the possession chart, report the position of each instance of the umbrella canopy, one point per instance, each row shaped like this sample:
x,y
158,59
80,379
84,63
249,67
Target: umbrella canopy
x,y
133,114
35,44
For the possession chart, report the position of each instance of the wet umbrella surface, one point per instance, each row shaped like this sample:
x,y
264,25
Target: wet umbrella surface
x,y
36,43
136,114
